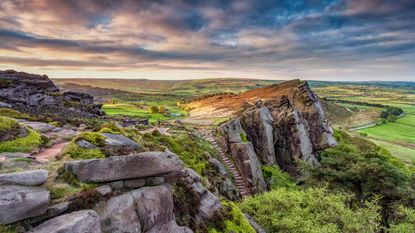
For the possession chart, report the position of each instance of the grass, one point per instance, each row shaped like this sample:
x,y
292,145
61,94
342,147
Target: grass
x,y
8,124
24,144
405,153
142,112
235,221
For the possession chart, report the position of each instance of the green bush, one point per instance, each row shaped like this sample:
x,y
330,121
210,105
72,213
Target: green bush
x,y
276,178
24,144
312,210
243,137
404,222
234,222
357,166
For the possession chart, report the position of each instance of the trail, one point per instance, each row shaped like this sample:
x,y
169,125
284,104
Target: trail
x,y
47,154
239,181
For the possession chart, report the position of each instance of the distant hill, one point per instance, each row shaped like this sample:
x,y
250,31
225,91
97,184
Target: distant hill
x,y
197,87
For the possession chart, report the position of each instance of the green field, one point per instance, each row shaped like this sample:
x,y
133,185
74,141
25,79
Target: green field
x,y
132,110
399,136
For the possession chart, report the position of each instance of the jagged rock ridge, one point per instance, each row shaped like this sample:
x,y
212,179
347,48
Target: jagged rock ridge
x,y
278,128
37,94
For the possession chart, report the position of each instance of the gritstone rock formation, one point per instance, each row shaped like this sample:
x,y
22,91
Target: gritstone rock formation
x,y
36,94
283,126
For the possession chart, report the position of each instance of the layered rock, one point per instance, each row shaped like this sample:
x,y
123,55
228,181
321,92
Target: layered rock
x,y
27,178
21,202
84,221
145,164
36,94
281,127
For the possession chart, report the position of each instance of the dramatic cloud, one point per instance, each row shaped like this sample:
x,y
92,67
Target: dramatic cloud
x,y
175,39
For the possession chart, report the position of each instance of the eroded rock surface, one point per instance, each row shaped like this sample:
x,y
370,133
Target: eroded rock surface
x,y
84,221
282,128
141,165
37,94
27,178
21,202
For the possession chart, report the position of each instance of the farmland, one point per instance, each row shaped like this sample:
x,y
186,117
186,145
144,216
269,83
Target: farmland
x,y
396,136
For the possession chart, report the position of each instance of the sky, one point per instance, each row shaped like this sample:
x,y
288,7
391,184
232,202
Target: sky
x,y
179,39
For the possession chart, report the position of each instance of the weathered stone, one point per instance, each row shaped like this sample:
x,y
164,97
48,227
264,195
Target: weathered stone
x,y
86,145
5,105
104,190
218,166
254,224
27,178
259,127
135,183
118,215
21,202
84,221
209,203
170,227
154,206
117,184
37,95
152,181
247,163
125,167
57,209
13,155
117,144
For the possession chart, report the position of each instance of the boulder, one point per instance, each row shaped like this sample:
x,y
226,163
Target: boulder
x,y
170,227
104,190
125,167
209,203
117,144
254,224
27,178
21,202
13,155
247,163
118,215
84,221
83,98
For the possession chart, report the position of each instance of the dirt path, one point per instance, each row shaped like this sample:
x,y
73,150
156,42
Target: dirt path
x,y
46,154
239,181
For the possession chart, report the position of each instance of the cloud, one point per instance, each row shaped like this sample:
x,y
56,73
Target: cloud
x,y
262,38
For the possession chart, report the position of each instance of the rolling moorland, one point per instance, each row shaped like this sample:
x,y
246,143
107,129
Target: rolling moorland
x,y
204,156
348,105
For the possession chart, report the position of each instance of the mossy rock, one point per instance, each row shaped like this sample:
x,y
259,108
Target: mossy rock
x,y
7,112
23,144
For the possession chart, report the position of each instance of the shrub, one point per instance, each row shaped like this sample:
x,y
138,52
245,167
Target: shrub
x,y
404,222
312,210
276,178
234,220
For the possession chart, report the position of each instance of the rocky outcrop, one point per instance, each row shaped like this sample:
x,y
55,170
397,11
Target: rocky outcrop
x,y
21,202
208,203
148,209
117,144
278,130
246,161
27,178
141,165
84,221
37,95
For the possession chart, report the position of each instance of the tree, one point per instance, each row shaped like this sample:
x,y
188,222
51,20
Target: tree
x,y
392,118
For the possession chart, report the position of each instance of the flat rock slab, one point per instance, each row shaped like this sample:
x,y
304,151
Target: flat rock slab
x,y
84,221
21,202
119,140
125,167
27,178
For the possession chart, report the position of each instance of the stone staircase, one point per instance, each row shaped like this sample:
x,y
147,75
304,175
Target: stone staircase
x,y
239,181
